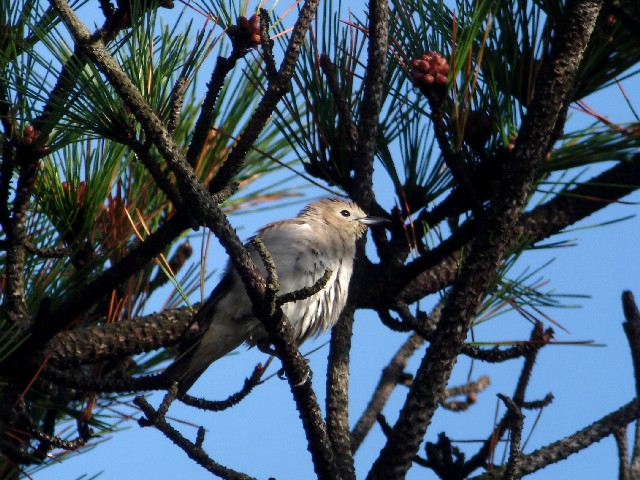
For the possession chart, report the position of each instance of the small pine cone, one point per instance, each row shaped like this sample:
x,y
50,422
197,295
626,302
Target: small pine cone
x,y
430,69
477,130
31,136
181,255
249,28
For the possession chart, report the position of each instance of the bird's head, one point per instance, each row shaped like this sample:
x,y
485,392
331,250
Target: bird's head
x,y
342,215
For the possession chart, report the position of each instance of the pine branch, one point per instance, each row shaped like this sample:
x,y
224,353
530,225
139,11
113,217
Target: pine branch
x,y
116,340
493,237
277,88
438,268
296,370
16,305
372,99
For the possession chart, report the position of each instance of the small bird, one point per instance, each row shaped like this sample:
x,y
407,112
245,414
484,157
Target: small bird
x,y
323,236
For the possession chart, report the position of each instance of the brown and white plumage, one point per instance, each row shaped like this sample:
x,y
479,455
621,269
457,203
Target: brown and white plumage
x,y
323,236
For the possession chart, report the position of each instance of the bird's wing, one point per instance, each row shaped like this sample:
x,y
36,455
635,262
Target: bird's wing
x,y
183,369
205,315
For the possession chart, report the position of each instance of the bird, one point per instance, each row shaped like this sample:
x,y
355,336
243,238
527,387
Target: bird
x,y
321,237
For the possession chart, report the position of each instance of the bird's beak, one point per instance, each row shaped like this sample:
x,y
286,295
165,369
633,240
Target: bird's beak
x,y
373,220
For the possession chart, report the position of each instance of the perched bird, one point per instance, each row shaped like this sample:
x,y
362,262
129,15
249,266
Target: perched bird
x,y
323,236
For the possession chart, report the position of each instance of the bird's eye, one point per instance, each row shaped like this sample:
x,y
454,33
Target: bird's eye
x,y
345,213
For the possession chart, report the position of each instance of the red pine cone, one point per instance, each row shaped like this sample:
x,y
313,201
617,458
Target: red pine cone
x,y
250,27
31,136
430,69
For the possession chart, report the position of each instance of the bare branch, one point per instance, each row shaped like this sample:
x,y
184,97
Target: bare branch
x,y
217,406
470,390
566,447
374,78
392,375
338,392
515,421
193,450
620,435
306,292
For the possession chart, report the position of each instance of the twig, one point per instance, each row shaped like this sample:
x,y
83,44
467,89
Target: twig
x,y
538,404
424,325
47,252
272,283
443,458
84,433
483,455
515,421
193,450
306,292
217,406
539,338
470,390
175,104
391,323
267,44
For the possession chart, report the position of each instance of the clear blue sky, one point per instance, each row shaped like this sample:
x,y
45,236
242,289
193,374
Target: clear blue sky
x,y
263,436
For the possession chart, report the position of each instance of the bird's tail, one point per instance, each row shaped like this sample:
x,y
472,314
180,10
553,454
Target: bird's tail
x,y
220,339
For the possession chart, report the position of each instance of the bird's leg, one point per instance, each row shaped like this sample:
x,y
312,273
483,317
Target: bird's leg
x,y
307,374
264,345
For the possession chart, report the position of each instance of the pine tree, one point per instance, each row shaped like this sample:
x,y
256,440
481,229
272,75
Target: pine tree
x,y
122,145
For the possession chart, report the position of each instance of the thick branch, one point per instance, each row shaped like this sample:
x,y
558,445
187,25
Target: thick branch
x,y
374,80
632,329
114,340
338,392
